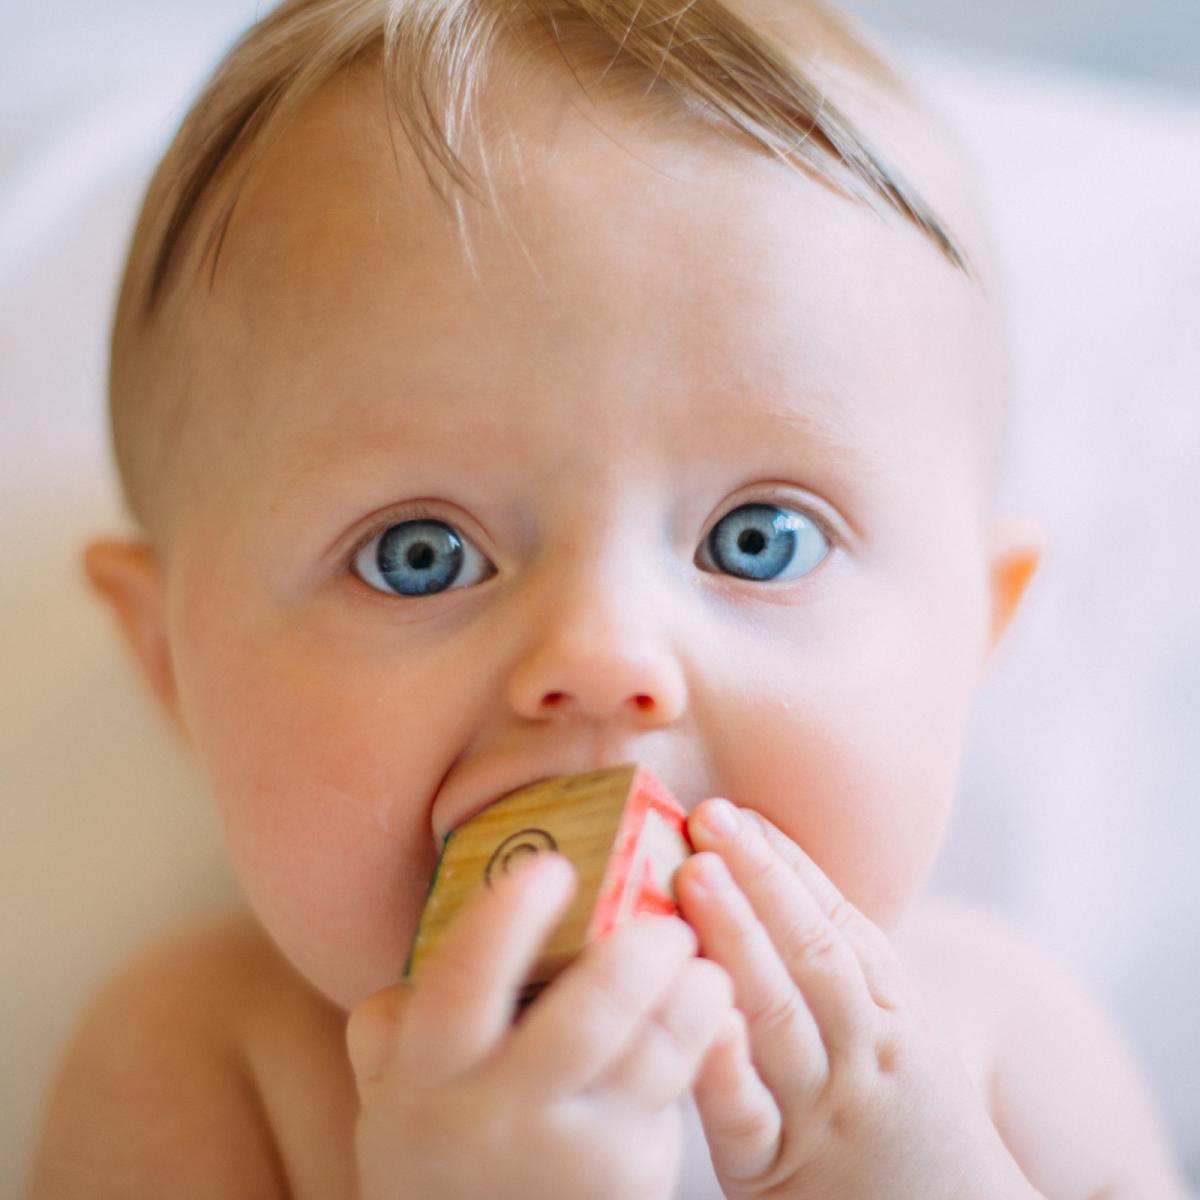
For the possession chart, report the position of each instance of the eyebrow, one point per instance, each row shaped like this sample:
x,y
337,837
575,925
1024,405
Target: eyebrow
x,y
827,430
810,417
820,428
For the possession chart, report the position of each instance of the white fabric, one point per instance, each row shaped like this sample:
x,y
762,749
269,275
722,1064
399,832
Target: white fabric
x,y
1079,818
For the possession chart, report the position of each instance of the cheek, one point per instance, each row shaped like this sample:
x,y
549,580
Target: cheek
x,y
852,746
324,789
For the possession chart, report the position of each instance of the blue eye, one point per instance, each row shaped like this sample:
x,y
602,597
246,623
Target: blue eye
x,y
420,558
766,542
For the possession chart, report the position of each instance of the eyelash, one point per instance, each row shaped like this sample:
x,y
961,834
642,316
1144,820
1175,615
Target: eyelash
x,y
414,510
418,511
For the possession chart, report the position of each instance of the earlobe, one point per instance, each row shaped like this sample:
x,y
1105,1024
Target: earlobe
x,y
1017,546
127,576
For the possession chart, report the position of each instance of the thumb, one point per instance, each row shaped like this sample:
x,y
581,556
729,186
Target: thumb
x,y
371,1032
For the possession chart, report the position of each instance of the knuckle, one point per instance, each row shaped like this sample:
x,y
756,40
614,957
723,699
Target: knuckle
x,y
695,1012
625,969
887,1057
776,1010
810,941
748,1124
763,868
845,916
679,1029
861,1068
841,913
610,1002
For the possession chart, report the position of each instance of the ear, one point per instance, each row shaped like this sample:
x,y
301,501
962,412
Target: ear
x,y
128,577
1016,548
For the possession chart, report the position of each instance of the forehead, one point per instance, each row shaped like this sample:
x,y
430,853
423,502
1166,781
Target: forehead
x,y
627,263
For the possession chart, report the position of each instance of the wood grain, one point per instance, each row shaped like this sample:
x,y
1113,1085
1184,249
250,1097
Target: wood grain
x,y
621,829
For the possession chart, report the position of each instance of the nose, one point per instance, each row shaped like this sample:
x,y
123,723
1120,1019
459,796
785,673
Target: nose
x,y
600,654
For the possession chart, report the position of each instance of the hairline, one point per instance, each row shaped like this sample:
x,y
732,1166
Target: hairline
x,y
206,195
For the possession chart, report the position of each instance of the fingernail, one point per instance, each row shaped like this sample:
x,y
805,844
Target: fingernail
x,y
720,818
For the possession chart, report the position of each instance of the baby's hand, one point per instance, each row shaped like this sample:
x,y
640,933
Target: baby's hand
x,y
578,1098
833,1084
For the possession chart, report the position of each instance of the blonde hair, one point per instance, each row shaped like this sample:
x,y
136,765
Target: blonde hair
x,y
710,62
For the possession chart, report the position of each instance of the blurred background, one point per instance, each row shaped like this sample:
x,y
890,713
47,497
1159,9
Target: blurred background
x,y
1079,817
1152,39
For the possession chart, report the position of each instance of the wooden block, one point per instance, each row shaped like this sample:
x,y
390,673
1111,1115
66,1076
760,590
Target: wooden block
x,y
622,830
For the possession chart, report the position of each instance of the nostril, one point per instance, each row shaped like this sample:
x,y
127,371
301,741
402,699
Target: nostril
x,y
644,703
553,699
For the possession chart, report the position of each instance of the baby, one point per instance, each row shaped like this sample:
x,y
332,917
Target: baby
x,y
512,391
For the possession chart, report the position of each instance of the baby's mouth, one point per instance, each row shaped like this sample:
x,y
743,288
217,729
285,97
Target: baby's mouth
x,y
453,808
624,833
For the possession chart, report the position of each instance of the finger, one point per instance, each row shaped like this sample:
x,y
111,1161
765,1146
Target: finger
x,y
462,1003
661,1064
589,1016
786,1042
742,1123
371,1030
817,956
881,967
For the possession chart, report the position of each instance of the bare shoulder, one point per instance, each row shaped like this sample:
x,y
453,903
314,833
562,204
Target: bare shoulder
x,y
155,1096
1061,1084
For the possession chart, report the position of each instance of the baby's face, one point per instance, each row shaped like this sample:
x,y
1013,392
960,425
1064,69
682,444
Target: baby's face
x,y
698,487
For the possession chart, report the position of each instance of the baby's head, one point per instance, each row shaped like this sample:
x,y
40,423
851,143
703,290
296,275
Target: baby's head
x,y
662,426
